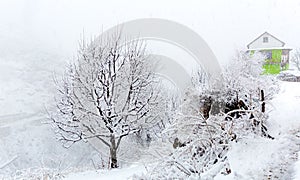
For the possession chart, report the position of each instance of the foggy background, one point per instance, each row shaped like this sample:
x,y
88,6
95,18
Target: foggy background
x,y
55,26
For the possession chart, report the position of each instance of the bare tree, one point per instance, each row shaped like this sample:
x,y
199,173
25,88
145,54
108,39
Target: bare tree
x,y
109,93
296,59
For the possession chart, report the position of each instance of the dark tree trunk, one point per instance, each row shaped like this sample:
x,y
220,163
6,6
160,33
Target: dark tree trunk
x,y
263,105
263,110
207,107
113,153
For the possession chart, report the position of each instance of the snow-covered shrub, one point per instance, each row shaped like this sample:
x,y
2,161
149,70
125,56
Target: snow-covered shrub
x,y
244,93
247,91
202,153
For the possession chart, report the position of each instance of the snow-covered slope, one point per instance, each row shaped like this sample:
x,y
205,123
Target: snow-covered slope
x,y
257,158
26,90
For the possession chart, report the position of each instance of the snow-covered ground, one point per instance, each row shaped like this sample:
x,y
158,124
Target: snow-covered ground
x,y
115,174
255,158
297,168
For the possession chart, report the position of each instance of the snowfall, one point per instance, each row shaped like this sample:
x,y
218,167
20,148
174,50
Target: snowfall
x,y
28,146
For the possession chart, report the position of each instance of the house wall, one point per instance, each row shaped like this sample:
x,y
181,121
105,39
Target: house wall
x,y
272,42
276,55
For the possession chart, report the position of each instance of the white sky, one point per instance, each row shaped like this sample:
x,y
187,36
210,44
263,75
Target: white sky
x,y
55,26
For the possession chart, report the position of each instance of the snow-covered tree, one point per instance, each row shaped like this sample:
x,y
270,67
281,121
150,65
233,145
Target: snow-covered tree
x,y
108,93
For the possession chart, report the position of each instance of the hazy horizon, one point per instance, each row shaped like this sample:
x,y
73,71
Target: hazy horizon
x,y
56,26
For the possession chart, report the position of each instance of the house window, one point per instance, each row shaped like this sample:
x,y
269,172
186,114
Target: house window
x,y
284,58
265,39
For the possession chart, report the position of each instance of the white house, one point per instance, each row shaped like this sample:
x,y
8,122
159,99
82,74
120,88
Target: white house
x,y
277,55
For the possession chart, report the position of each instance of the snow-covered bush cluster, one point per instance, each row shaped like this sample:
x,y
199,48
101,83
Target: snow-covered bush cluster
x,y
212,118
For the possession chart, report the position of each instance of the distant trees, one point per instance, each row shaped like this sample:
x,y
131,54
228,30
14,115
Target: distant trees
x,y
108,93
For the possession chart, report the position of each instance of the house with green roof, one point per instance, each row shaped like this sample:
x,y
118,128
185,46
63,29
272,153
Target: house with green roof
x,y
277,55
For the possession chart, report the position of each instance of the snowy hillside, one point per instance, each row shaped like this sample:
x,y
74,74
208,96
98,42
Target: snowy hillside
x,y
26,91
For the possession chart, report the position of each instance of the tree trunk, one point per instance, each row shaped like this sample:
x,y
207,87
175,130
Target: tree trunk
x,y
113,152
263,105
